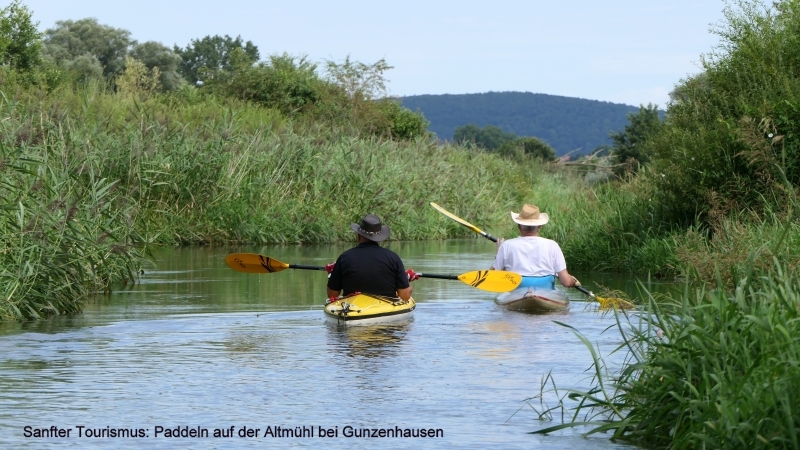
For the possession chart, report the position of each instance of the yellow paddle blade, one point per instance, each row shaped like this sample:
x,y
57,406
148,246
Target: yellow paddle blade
x,y
611,302
456,218
607,302
253,263
492,280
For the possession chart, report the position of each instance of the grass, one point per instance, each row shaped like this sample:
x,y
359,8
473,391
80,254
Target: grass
x,y
713,369
240,177
89,178
65,233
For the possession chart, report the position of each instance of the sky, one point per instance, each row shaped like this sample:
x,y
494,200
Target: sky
x,y
621,51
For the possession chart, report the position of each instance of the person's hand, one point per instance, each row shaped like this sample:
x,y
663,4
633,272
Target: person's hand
x,y
500,241
575,282
329,267
412,275
332,299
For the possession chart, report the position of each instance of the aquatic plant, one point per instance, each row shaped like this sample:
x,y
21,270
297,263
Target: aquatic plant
x,y
712,369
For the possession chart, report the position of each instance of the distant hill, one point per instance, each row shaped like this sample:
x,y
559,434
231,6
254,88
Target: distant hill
x,y
566,123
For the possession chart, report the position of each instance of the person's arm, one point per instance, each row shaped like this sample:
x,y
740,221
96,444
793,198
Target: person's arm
x,y
499,258
402,280
404,293
334,278
567,280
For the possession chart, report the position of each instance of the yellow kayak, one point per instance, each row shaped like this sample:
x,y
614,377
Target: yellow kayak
x,y
365,309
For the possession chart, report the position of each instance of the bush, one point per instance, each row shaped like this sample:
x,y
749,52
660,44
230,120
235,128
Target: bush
x,y
287,83
402,122
529,146
730,140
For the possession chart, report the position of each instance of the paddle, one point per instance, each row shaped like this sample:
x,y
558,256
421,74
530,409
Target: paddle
x,y
488,280
464,222
607,302
604,302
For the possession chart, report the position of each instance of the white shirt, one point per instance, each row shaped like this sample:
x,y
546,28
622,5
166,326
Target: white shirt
x,y
530,256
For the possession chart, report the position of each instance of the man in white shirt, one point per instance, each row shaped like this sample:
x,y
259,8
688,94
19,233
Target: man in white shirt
x,y
537,259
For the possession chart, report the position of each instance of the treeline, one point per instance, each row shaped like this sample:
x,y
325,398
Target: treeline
x,y
105,151
493,139
346,93
623,157
730,137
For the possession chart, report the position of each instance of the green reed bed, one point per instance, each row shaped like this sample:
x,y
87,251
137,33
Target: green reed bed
x,y
90,177
709,370
247,175
65,232
618,227
612,227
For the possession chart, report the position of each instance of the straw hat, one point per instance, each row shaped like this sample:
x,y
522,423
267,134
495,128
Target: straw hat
x,y
530,216
372,228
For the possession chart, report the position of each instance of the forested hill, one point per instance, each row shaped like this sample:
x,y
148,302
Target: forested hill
x,y
566,123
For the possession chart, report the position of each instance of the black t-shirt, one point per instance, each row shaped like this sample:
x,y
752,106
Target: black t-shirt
x,y
368,268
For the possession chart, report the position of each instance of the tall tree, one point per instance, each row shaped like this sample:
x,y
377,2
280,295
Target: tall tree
x,y
366,81
489,137
467,133
20,41
87,43
156,55
214,54
629,143
530,146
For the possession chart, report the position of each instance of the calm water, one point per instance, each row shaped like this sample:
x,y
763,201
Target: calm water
x,y
197,345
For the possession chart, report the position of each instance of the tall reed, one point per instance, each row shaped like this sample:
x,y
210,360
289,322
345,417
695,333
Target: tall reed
x,y
65,231
216,171
710,370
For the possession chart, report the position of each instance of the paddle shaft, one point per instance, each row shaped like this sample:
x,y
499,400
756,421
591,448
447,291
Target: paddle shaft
x,y
464,222
487,280
421,275
301,266
488,236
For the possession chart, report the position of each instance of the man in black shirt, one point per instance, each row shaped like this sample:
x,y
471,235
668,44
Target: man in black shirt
x,y
368,267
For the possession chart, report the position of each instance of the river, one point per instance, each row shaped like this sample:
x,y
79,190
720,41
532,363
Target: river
x,y
196,347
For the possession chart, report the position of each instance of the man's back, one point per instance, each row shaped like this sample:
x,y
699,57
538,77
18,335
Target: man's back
x,y
369,268
530,256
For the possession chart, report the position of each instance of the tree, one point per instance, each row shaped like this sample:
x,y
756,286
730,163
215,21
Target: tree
x,y
214,54
403,123
489,137
156,55
90,42
629,143
466,133
530,146
358,79
285,82
20,41
137,80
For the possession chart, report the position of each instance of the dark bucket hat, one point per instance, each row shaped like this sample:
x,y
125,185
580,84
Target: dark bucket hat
x,y
372,228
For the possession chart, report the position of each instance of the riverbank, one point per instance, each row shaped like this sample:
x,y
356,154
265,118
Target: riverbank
x,y
89,172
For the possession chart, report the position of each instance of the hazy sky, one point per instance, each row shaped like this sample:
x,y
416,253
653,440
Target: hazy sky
x,y
623,51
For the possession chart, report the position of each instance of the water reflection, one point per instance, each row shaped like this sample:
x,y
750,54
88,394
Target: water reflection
x,y
372,341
